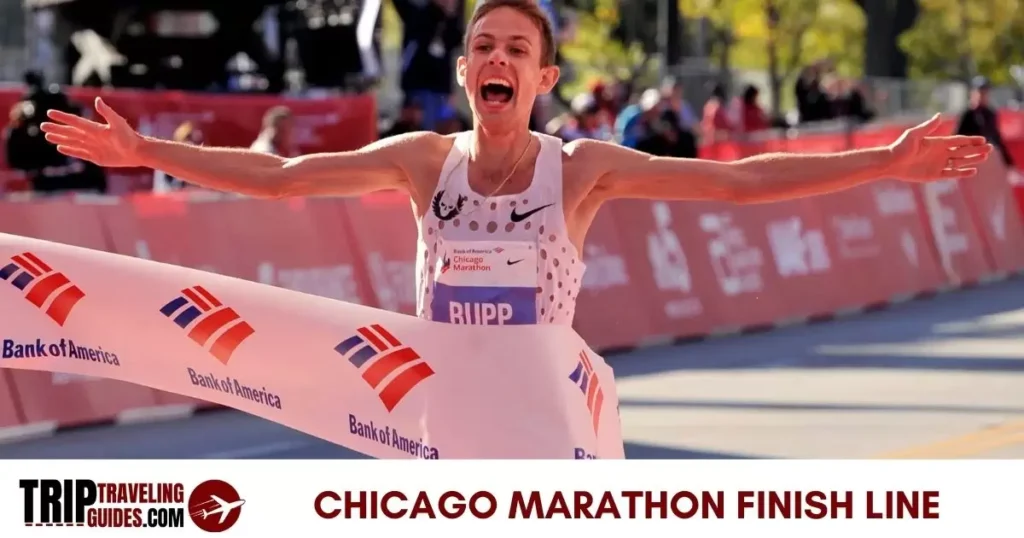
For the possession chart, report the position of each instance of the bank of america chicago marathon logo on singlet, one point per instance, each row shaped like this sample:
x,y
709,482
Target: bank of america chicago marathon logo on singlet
x,y
486,283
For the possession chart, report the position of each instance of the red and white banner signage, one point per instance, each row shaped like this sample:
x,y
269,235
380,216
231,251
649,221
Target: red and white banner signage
x,y
319,498
382,383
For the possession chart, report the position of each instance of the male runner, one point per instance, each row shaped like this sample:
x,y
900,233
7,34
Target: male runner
x,y
503,212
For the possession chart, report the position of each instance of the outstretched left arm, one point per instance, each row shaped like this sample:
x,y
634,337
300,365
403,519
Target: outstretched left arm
x,y
916,156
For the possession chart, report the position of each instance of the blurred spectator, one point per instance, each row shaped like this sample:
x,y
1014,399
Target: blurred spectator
x,y
630,124
661,131
812,100
980,119
752,116
410,119
715,123
672,94
432,31
588,120
450,121
275,137
186,133
603,95
47,170
557,126
852,103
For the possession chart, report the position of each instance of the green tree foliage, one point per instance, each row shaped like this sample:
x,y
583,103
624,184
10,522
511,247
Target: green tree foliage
x,y
805,31
960,38
593,53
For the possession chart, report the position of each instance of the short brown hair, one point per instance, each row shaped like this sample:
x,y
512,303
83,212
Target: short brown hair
x,y
531,9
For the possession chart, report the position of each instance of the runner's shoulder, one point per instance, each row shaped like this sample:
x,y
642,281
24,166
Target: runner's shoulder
x,y
583,160
416,149
421,156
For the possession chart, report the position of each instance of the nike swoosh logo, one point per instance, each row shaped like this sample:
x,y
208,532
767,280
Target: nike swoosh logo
x,y
517,217
510,262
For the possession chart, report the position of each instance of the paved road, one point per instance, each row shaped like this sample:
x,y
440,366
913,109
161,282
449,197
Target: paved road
x,y
939,378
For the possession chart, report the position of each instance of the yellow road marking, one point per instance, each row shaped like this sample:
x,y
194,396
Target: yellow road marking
x,y
972,444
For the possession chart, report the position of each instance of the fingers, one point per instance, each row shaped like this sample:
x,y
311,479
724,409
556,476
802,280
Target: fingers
x,y
970,141
74,121
61,140
970,160
77,152
966,151
959,173
62,130
107,112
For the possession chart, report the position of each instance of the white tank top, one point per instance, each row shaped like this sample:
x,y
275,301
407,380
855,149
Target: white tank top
x,y
503,260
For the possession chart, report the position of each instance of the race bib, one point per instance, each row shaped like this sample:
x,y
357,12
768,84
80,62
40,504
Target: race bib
x,y
486,283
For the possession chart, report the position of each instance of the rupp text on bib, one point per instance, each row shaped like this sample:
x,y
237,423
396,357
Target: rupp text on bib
x,y
486,283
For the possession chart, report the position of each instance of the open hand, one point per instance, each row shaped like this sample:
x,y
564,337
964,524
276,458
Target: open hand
x,y
114,144
928,152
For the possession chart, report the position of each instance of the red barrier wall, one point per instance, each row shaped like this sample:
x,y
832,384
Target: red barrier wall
x,y
336,124
679,269
9,415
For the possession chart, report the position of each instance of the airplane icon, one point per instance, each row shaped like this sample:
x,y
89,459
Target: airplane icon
x,y
223,508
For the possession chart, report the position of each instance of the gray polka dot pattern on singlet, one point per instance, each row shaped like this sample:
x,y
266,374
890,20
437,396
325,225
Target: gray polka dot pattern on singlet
x,y
489,219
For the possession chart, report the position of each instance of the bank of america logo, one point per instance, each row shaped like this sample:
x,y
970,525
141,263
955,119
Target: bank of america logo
x,y
379,354
585,378
200,310
45,288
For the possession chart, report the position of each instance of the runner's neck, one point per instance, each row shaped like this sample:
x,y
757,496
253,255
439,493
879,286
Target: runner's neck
x,y
496,154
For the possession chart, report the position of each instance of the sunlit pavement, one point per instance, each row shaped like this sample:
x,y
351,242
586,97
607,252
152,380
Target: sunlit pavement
x,y
941,378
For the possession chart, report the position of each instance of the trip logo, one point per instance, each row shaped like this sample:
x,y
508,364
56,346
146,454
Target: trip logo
x,y
90,503
199,307
585,378
392,369
42,286
379,354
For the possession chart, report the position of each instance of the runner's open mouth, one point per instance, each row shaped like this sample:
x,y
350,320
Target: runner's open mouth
x,y
496,91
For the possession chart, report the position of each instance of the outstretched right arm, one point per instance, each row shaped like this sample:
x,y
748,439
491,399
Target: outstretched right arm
x,y
378,166
351,173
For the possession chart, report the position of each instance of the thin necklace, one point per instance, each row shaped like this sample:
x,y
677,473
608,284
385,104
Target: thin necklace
x,y
465,155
